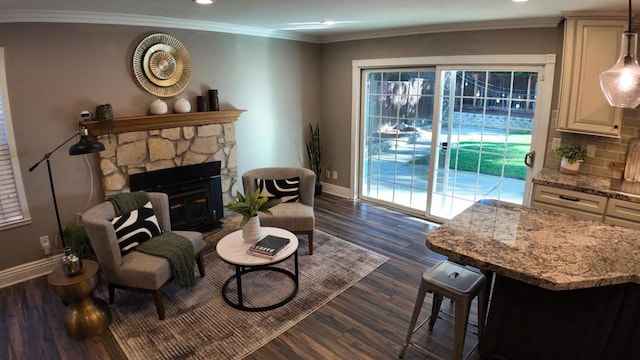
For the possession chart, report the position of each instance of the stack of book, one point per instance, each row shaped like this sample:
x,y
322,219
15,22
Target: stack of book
x,y
269,246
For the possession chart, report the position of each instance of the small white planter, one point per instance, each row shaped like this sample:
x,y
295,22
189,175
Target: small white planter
x,y
251,231
569,168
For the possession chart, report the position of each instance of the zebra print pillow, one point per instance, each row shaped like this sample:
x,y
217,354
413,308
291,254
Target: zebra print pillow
x,y
287,190
136,227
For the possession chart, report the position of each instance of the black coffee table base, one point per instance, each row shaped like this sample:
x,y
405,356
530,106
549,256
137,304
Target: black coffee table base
x,y
241,270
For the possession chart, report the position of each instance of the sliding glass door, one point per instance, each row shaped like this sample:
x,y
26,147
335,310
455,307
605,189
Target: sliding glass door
x,y
435,139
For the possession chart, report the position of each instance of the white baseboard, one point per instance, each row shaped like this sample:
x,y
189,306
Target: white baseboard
x,y
337,190
28,271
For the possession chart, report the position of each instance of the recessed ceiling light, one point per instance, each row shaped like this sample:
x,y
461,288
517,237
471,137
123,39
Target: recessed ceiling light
x,y
204,2
519,0
314,25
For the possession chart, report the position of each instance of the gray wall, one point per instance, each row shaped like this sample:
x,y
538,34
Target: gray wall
x,y
336,60
54,71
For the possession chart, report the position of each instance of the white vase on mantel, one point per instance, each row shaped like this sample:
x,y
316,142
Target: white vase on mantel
x,y
251,231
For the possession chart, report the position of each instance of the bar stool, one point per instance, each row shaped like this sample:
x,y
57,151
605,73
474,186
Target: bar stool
x,y
461,285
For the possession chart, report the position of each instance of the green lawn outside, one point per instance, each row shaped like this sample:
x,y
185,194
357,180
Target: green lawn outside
x,y
468,154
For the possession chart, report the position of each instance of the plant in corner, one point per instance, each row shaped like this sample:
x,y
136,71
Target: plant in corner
x,y
571,155
314,152
78,240
249,205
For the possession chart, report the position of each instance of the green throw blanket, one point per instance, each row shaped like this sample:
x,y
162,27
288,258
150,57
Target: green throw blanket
x,y
178,250
127,202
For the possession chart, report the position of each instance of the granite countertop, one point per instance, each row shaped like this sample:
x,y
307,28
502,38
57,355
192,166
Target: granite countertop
x,y
591,184
546,249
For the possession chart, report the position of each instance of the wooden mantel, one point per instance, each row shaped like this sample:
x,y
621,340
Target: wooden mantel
x,y
166,121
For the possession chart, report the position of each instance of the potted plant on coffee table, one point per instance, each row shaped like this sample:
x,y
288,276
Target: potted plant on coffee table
x,y
249,205
572,156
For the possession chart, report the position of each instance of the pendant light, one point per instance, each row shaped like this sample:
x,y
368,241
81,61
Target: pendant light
x,y
621,83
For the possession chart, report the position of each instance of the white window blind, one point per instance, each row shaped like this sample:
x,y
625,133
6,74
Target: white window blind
x,y
13,205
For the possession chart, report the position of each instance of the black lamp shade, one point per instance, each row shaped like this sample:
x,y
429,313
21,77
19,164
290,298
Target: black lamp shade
x,y
87,144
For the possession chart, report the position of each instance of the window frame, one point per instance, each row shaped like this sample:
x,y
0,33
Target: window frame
x,y
13,152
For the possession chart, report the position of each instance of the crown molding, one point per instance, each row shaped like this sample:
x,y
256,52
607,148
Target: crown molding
x,y
84,17
453,27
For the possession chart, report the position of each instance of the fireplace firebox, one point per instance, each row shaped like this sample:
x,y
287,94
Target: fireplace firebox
x,y
195,194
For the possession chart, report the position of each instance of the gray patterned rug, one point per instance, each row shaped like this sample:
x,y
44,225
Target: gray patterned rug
x,y
200,325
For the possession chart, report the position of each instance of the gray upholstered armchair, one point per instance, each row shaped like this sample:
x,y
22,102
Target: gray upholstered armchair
x,y
297,217
135,271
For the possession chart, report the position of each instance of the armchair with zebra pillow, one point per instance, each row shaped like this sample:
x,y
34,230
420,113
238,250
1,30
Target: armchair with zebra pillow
x,y
136,248
295,187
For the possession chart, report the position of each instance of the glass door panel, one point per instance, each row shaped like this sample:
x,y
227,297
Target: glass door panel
x,y
397,123
485,129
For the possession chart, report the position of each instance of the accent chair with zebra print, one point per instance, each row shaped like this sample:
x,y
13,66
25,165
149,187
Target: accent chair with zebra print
x,y
135,270
295,186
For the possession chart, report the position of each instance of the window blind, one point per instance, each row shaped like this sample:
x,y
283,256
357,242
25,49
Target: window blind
x,y
13,209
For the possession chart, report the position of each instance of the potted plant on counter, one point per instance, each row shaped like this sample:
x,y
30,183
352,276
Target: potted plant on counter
x,y
249,205
572,156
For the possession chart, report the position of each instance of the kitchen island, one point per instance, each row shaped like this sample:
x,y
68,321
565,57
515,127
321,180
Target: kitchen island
x,y
564,288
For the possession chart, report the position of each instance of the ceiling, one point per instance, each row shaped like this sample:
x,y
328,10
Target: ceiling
x,y
300,19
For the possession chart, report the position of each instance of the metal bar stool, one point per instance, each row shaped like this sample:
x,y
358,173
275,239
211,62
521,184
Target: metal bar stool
x,y
461,285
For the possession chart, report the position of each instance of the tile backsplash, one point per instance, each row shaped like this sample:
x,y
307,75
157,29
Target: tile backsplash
x,y
607,149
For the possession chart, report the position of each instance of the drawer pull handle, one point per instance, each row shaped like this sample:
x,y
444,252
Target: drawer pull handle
x,y
570,198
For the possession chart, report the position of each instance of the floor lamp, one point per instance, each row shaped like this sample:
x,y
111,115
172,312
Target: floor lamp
x,y
87,144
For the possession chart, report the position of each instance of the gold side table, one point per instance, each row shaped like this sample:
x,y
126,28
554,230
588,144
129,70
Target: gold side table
x,y
86,316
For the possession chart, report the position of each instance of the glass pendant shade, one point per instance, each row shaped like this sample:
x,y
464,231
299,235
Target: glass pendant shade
x,y
621,83
87,144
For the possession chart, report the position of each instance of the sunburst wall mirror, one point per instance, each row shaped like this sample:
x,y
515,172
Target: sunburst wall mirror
x,y
162,65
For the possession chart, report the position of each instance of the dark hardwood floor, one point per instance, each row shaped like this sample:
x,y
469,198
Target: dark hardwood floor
x,y
367,321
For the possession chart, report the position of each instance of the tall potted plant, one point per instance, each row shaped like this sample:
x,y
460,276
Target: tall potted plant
x,y
314,155
572,156
249,205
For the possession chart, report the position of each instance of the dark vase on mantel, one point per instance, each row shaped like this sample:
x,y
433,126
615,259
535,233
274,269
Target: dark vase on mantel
x,y
214,105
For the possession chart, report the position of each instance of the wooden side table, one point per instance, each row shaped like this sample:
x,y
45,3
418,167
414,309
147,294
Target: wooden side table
x,y
86,316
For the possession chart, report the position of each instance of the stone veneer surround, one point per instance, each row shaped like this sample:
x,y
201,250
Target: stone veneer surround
x,y
141,151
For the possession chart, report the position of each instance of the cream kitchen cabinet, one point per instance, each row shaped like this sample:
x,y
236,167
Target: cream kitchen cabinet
x,y
580,204
624,213
591,45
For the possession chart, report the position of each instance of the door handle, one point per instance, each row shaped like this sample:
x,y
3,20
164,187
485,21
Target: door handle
x,y
529,158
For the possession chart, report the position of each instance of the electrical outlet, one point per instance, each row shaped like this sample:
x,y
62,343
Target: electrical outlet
x,y
591,150
555,143
335,175
327,174
44,241
45,244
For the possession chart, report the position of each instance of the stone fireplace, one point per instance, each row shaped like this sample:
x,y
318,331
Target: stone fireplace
x,y
148,143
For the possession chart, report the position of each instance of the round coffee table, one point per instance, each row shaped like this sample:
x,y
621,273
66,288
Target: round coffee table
x,y
232,249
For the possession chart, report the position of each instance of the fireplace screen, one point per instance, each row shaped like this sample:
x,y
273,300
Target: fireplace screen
x,y
195,194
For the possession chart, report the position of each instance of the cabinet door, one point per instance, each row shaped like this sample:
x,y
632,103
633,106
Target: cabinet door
x,y
590,47
624,213
583,205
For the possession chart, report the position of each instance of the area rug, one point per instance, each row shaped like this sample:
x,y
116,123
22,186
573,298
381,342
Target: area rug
x,y
200,325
